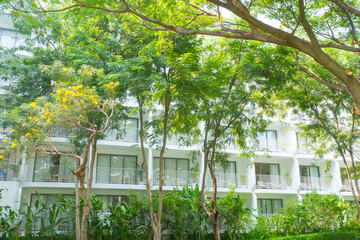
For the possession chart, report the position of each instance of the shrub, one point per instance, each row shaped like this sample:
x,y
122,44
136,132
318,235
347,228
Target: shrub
x,y
322,236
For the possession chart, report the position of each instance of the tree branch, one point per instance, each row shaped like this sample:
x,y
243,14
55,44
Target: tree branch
x,y
333,86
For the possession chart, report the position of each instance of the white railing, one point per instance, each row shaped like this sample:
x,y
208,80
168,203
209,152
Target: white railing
x,y
273,182
272,145
176,178
345,187
9,172
130,135
315,183
54,173
112,175
61,133
225,180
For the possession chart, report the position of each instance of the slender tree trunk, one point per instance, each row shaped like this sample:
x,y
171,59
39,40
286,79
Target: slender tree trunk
x,y
86,208
158,233
352,189
77,205
213,213
155,221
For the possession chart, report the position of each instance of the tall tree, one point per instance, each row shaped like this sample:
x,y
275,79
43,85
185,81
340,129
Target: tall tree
x,y
231,109
72,110
327,120
160,78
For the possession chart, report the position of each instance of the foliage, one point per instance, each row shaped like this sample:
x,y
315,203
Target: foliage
x,y
315,213
184,218
322,236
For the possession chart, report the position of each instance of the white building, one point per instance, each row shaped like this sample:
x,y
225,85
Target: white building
x,y
284,173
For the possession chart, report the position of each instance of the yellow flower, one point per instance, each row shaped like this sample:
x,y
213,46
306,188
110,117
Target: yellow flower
x,y
59,91
1,156
64,69
115,104
33,104
5,141
34,118
30,118
13,145
34,130
47,104
46,114
96,102
64,99
12,130
28,134
48,120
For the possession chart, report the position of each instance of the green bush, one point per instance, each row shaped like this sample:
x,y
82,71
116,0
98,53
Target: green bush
x,y
322,236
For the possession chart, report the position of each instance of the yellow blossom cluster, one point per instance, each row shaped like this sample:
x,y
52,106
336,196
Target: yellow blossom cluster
x,y
77,95
111,86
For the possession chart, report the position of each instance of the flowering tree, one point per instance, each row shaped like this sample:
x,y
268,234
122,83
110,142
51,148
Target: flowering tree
x,y
70,109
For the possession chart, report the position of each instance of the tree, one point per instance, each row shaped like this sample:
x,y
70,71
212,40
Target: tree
x,y
230,108
161,76
70,109
320,30
326,118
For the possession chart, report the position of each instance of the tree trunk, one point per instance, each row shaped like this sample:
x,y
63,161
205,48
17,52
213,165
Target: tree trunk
x,y
216,226
77,207
86,208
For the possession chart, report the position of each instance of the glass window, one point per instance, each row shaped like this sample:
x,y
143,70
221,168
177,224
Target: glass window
x,y
116,169
131,130
310,177
267,169
269,206
176,171
127,131
57,168
267,175
268,139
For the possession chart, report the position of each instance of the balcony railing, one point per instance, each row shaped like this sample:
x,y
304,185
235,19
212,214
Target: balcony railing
x,y
112,175
46,173
345,187
61,133
272,145
225,180
9,172
176,178
130,135
264,181
315,183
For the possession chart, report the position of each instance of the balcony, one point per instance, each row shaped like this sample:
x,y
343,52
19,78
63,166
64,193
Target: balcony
x,y
176,178
226,180
315,183
53,174
273,182
61,133
9,172
130,135
272,145
345,187
132,176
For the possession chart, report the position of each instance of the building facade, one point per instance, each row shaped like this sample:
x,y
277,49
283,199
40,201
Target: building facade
x,y
283,169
